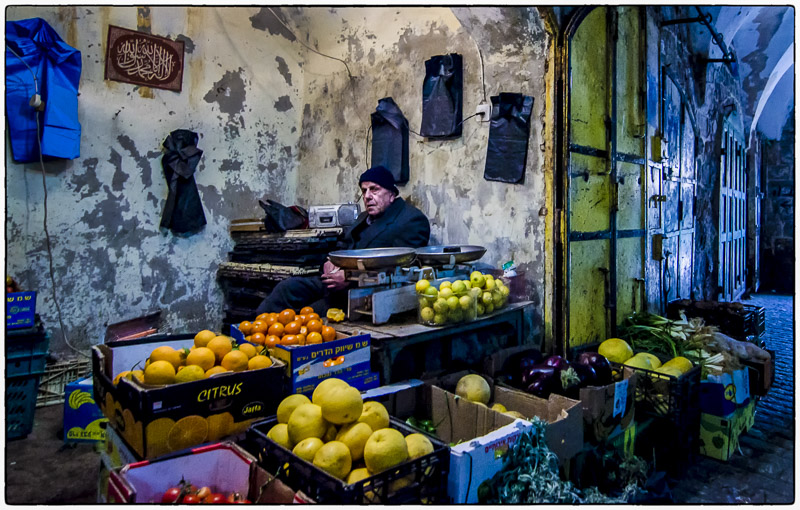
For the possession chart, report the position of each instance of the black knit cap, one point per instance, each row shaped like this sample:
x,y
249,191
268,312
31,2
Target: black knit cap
x,y
380,176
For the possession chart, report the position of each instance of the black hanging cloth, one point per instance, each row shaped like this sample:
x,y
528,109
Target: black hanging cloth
x,y
183,212
390,139
442,97
509,130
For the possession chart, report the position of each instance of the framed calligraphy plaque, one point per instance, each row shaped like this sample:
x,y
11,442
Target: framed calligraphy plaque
x,y
144,59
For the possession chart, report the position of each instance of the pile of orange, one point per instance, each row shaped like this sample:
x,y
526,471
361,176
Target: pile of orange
x,y
287,328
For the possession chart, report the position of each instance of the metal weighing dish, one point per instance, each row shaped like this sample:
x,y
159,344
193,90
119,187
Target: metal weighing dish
x,y
372,258
453,254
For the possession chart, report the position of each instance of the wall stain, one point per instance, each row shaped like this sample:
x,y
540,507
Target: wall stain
x,y
283,104
119,175
265,19
143,20
143,162
88,178
283,69
229,93
188,44
228,165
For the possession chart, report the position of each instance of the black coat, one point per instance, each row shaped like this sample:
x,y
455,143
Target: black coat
x,y
400,225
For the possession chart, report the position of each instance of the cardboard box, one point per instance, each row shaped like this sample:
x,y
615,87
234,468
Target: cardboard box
x,y
20,309
761,374
114,453
155,420
225,467
346,357
84,422
609,409
721,395
719,435
479,435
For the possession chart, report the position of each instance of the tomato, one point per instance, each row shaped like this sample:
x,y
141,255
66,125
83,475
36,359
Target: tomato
x,y
171,495
235,497
216,499
190,499
204,492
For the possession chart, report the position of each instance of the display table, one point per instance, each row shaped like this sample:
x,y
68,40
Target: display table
x,y
388,340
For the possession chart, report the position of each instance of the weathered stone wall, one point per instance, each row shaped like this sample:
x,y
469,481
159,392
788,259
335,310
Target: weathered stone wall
x,y
276,120
777,234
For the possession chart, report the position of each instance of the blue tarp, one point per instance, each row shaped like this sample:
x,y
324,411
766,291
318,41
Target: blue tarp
x,y
58,70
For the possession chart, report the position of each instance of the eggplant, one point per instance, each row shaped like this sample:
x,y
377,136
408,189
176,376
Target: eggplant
x,y
557,362
600,365
586,374
536,371
542,385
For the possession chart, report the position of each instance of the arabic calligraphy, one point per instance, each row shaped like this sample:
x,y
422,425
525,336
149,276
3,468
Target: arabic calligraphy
x,y
145,59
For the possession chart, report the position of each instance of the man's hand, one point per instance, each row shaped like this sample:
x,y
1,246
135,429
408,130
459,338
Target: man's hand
x,y
333,276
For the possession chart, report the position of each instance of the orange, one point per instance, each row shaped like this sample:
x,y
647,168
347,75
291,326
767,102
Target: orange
x,y
257,338
259,327
263,316
306,310
328,334
203,357
293,328
215,370
312,317
314,338
290,340
245,327
301,339
235,361
271,341
202,338
300,317
167,353
314,326
221,346
246,339
248,349
276,329
259,361
286,316
159,372
272,319
304,330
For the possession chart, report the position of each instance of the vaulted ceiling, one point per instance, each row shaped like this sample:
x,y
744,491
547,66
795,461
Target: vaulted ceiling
x,y
762,38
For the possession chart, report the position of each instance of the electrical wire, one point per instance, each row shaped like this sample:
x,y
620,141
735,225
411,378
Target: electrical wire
x,y
46,232
483,78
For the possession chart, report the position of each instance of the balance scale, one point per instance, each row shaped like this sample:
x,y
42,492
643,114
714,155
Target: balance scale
x,y
383,293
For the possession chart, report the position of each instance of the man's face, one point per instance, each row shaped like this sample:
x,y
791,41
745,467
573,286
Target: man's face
x,y
376,198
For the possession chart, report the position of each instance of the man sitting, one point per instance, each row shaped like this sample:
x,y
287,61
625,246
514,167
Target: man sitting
x,y
388,221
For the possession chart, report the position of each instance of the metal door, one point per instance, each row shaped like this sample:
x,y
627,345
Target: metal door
x,y
604,156
678,184
732,213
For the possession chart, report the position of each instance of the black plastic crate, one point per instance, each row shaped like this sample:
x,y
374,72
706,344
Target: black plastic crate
x,y
21,404
755,323
737,320
428,473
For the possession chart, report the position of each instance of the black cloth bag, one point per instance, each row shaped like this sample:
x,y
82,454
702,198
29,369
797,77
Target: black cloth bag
x,y
279,218
183,211
509,130
442,97
390,139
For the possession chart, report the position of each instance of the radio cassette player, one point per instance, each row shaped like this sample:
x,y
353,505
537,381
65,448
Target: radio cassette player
x,y
340,215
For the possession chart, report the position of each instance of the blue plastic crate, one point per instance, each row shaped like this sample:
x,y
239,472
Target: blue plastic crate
x,y
20,405
26,356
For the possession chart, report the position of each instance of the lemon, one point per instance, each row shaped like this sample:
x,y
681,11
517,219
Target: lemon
x,y
452,303
385,449
288,405
221,345
488,284
418,445
341,404
616,350
474,388
465,302
202,338
260,361
445,285
159,372
430,292
440,306
467,284
248,349
166,353
375,415
446,293
477,279
439,319
422,285
202,356
190,373
235,361
354,436
215,370
334,458
307,448
426,314
497,406
489,308
280,434
481,309
679,362
458,287
306,421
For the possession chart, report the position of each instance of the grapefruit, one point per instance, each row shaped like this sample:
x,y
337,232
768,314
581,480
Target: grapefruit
x,y
375,415
474,388
306,421
334,458
385,449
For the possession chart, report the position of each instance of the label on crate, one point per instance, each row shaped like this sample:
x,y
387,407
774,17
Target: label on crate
x,y
620,396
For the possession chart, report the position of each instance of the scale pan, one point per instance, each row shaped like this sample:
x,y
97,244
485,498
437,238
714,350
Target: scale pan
x,y
372,258
449,254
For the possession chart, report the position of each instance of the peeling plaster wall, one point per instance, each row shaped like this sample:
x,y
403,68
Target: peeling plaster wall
x,y
385,49
242,93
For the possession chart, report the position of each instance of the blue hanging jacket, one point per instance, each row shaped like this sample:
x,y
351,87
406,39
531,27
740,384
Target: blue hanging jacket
x,y
57,67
